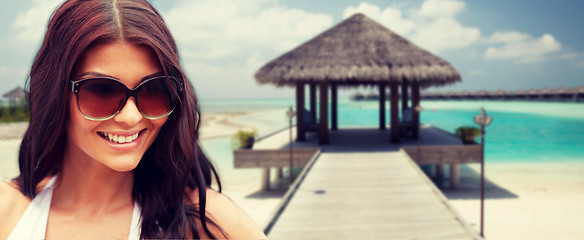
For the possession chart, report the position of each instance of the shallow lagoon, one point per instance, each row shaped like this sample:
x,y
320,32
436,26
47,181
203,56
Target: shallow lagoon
x,y
520,132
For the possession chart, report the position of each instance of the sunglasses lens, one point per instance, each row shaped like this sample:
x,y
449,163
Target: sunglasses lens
x,y
156,97
100,98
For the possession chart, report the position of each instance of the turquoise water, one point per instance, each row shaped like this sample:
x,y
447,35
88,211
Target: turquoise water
x,y
520,131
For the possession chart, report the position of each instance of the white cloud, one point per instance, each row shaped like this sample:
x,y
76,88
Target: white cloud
x,y
524,49
445,33
214,81
432,26
30,25
390,17
440,8
218,28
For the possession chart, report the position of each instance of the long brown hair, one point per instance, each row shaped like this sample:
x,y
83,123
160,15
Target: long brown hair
x,y
174,164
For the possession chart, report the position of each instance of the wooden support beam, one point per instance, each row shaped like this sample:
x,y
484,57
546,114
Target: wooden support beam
x,y
265,179
394,106
323,110
404,96
300,129
454,175
415,103
312,93
382,101
439,174
334,106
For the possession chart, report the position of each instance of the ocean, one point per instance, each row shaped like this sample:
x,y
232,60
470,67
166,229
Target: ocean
x,y
520,131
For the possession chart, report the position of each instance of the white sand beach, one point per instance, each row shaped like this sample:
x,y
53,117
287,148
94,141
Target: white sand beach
x,y
523,200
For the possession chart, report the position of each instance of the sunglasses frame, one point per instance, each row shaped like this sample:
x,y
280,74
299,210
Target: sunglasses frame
x,y
75,85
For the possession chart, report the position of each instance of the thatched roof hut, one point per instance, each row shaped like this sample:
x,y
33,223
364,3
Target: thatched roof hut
x,y
15,93
358,51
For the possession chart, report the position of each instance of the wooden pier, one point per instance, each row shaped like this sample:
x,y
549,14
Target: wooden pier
x,y
373,195
361,186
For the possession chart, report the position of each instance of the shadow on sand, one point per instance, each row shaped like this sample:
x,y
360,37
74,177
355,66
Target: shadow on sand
x,y
278,187
469,186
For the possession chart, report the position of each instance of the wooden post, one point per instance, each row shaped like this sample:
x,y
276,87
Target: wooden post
x,y
279,173
312,93
334,103
454,175
439,174
265,176
382,122
415,103
394,105
323,110
404,95
300,130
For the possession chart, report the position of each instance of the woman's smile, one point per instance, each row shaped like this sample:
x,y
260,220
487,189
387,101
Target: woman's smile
x,y
120,138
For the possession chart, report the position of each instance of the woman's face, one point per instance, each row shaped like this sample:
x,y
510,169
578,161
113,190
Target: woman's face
x,y
91,142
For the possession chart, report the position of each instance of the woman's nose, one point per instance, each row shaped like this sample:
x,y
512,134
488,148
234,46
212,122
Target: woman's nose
x,y
129,114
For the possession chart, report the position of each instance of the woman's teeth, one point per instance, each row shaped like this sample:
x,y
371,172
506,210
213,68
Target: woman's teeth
x,y
119,139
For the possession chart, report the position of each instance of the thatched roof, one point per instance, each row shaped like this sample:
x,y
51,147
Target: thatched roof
x,y
563,89
18,92
358,51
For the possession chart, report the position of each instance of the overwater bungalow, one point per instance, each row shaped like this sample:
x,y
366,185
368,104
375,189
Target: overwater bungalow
x,y
357,96
547,94
500,94
372,96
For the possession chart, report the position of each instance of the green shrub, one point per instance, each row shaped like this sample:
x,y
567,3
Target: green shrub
x,y
243,139
467,133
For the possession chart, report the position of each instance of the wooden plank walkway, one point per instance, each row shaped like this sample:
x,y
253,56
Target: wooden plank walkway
x,y
367,195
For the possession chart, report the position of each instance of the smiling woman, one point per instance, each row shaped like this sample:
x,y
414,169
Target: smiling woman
x,y
112,148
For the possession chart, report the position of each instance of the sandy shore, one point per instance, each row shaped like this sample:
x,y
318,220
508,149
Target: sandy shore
x,y
523,200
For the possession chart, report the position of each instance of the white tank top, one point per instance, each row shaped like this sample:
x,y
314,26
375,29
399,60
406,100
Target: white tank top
x,y
33,223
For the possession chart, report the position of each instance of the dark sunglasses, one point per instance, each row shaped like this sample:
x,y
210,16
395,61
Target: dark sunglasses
x,y
101,98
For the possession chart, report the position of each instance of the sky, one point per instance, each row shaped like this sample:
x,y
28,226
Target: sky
x,y
494,44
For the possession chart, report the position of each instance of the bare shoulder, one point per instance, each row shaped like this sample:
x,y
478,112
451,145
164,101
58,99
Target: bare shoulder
x,y
232,221
12,206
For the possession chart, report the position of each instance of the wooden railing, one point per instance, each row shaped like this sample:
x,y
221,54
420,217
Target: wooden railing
x,y
445,154
272,158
